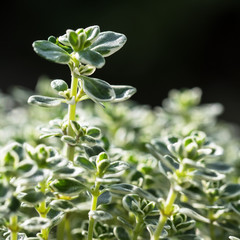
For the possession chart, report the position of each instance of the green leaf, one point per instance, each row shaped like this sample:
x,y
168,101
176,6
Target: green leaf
x,y
73,39
67,186
101,156
220,167
104,199
88,139
192,214
35,224
108,180
208,175
56,162
131,204
233,238
14,204
100,215
97,89
44,101
185,226
90,57
67,172
123,92
124,222
108,43
22,236
55,217
94,132
59,85
121,234
93,150
31,197
124,188
235,206
76,127
117,166
103,165
64,40
82,40
69,140
63,205
85,163
26,168
231,190
5,192
167,161
92,32
51,52
35,178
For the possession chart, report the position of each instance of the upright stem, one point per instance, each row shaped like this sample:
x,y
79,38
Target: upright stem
x,y
61,229
68,228
95,196
138,227
211,226
14,227
167,211
43,210
71,117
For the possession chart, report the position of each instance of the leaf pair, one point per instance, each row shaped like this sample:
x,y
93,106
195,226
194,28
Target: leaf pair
x,y
104,44
101,91
95,89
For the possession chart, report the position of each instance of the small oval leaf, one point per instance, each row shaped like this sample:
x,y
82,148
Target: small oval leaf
x,y
123,92
97,89
108,43
59,85
121,234
51,52
91,58
43,101
67,186
35,224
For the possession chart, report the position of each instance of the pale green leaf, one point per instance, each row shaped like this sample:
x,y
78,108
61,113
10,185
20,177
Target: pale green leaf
x,y
44,101
59,85
123,92
121,233
100,215
51,51
97,89
35,224
108,43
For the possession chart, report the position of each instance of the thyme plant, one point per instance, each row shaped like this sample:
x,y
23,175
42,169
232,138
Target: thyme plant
x,y
108,170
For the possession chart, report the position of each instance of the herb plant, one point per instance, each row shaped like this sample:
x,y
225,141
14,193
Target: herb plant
x,y
108,170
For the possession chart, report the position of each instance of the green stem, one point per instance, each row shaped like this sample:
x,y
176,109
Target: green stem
x,y
43,210
166,212
212,231
95,195
211,226
14,227
68,228
138,227
71,117
61,229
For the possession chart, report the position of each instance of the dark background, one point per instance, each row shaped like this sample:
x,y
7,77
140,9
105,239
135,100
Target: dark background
x,y
171,44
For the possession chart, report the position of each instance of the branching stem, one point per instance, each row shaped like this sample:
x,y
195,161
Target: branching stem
x,y
95,195
43,210
138,227
167,211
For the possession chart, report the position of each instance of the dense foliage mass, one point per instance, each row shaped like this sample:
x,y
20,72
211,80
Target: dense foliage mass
x,y
108,170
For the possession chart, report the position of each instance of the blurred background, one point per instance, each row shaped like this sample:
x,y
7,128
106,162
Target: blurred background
x,y
171,44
